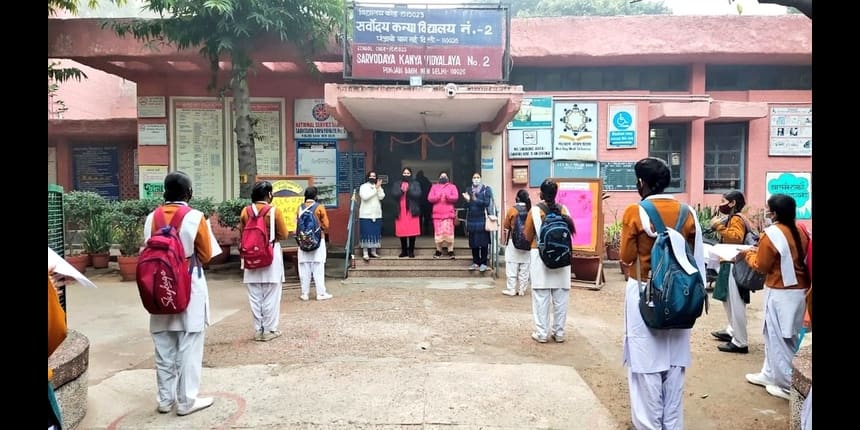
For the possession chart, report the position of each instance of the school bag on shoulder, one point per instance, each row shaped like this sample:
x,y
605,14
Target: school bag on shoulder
x,y
308,231
163,277
751,237
554,240
674,296
257,243
518,233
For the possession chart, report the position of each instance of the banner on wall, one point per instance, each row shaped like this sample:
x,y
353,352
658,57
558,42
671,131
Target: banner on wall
x,y
575,131
151,181
530,143
533,113
622,126
582,197
313,122
795,184
318,159
288,193
791,131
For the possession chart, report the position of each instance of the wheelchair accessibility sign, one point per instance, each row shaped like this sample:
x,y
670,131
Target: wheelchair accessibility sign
x,y
622,126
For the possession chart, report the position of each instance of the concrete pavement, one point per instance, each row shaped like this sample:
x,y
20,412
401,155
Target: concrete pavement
x,y
406,353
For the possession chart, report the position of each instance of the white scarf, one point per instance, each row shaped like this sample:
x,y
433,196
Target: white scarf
x,y
786,262
678,241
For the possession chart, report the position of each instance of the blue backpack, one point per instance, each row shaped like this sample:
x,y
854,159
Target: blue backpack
x,y
674,296
308,231
555,240
518,232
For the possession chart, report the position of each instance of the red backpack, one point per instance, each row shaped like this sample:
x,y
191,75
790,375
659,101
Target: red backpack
x,y
163,277
255,249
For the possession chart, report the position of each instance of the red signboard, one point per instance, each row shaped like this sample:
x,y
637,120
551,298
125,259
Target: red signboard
x,y
442,63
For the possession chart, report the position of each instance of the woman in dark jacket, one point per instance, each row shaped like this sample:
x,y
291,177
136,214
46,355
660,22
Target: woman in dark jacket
x,y
479,198
407,223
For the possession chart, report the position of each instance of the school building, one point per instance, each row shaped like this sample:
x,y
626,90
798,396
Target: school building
x,y
725,100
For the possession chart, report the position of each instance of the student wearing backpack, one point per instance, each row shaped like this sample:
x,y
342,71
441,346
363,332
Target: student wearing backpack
x,y
780,256
518,248
732,228
178,338
312,263
656,359
479,205
443,195
370,216
264,283
548,284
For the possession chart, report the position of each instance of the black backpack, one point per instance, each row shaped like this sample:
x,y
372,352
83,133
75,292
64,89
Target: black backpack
x,y
555,240
518,232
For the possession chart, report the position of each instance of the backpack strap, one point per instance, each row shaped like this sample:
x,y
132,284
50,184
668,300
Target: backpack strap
x,y
653,215
682,217
263,212
176,221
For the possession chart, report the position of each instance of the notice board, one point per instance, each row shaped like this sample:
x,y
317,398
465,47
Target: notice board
x,y
350,165
618,175
583,199
96,169
288,193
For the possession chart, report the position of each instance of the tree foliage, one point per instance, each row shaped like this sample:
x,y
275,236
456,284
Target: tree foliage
x,y
535,8
232,29
802,6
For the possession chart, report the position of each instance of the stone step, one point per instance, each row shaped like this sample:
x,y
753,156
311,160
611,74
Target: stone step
x,y
371,271
419,260
419,252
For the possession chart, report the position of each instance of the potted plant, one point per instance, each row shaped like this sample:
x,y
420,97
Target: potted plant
x,y
98,238
79,207
229,214
129,219
612,240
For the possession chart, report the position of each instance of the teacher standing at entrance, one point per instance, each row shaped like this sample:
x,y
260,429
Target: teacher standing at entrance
x,y
407,224
479,198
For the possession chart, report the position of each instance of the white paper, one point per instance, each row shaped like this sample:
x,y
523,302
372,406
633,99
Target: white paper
x,y
726,251
63,267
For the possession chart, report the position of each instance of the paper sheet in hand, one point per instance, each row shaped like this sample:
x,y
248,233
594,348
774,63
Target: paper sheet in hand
x,y
726,251
63,267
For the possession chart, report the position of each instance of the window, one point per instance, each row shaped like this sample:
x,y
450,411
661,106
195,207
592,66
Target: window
x,y
744,78
612,78
725,145
670,142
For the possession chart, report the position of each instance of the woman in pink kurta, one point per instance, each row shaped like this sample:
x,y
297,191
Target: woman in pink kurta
x,y
443,195
407,224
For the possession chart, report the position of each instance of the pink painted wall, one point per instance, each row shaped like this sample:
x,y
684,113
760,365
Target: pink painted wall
x,y
99,96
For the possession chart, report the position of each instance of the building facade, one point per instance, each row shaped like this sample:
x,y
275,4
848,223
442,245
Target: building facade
x,y
725,100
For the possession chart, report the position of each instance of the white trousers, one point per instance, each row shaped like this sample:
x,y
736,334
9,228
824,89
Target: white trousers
x,y
736,312
540,309
806,412
517,276
778,351
178,365
312,270
265,299
657,399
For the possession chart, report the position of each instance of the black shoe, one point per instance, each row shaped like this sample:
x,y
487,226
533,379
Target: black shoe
x,y
411,254
437,254
403,254
451,254
730,347
722,335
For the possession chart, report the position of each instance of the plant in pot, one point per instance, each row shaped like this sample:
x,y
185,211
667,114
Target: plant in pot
x,y
229,215
98,238
612,240
79,207
129,219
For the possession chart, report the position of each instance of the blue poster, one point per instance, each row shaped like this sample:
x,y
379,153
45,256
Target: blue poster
x,y
622,126
96,169
533,113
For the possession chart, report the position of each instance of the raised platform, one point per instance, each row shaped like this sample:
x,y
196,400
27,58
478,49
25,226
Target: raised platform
x,y
801,383
70,363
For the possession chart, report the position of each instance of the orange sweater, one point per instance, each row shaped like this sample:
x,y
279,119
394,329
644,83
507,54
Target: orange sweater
x,y
766,259
202,245
734,232
56,322
636,243
280,223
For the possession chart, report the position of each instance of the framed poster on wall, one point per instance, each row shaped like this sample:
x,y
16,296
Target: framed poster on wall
x,y
318,159
582,196
795,184
791,131
288,193
575,131
198,144
270,137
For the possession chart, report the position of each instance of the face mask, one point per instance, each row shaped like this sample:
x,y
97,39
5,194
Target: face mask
x,y
407,178
371,180
443,180
725,209
476,181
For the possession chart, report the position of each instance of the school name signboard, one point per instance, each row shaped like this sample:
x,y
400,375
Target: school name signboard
x,y
447,45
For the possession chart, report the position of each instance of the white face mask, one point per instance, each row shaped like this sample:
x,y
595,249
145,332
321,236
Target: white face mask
x,y
768,222
476,181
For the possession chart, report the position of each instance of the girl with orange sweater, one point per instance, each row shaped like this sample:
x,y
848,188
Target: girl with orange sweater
x,y
780,256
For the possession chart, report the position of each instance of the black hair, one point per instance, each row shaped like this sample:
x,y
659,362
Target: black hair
x,y
443,171
261,191
737,197
523,197
367,176
785,209
404,169
311,193
177,187
655,173
548,191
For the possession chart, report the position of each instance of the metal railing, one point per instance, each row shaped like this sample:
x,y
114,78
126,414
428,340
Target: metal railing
x,y
348,255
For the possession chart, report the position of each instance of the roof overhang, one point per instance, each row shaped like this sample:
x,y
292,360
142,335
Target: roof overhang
x,y
427,108
101,128
726,111
678,111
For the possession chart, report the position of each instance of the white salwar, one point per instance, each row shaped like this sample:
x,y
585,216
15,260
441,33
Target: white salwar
x,y
656,359
265,285
178,338
736,312
517,264
312,266
806,412
548,285
783,317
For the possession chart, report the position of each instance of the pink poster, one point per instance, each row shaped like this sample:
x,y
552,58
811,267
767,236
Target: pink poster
x,y
581,199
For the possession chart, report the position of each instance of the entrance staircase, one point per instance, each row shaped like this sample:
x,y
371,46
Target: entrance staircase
x,y
389,265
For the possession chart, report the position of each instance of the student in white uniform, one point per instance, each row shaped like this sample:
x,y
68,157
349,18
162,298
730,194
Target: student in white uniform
x,y
548,285
312,263
517,261
178,338
656,359
265,284
780,256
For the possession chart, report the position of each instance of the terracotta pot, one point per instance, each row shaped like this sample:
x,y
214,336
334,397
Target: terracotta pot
x,y
127,267
613,253
100,261
79,262
585,268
